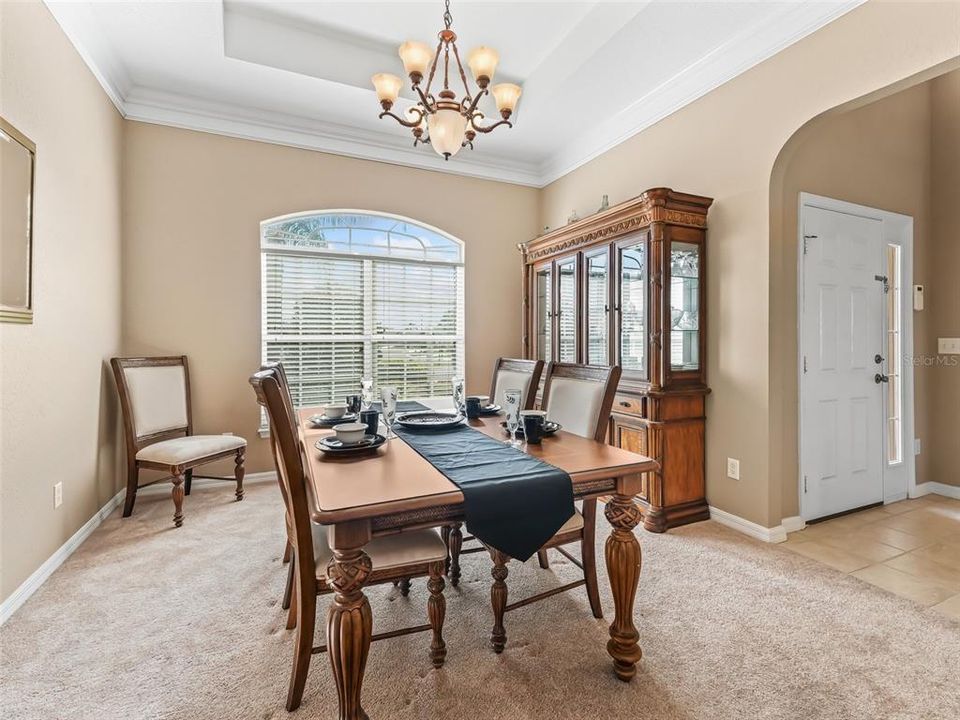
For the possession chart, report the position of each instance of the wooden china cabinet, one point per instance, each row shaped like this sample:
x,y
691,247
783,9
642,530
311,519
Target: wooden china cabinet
x,y
627,286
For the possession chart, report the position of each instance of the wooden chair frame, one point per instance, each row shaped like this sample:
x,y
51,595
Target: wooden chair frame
x,y
586,535
453,534
182,474
307,586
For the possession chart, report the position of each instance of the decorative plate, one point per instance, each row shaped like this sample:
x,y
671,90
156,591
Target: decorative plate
x,y
333,446
322,421
429,420
549,428
490,410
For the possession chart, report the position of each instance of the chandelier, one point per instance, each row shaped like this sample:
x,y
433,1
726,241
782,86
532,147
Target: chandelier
x,y
444,122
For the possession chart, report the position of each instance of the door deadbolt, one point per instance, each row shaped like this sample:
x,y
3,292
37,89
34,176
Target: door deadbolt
x,y
878,358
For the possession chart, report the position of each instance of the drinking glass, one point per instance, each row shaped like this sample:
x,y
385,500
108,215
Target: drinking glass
x,y
366,393
388,398
459,396
511,399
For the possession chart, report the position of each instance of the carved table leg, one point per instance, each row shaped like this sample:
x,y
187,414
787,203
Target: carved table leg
x,y
622,553
177,499
498,598
238,473
349,628
436,610
456,542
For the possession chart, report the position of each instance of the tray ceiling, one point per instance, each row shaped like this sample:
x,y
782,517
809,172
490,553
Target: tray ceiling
x,y
298,73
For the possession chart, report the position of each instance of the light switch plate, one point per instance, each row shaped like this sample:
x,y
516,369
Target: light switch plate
x,y
918,297
948,346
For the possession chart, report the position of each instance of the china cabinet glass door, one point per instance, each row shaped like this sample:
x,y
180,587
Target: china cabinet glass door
x,y
684,307
596,269
633,308
567,310
543,314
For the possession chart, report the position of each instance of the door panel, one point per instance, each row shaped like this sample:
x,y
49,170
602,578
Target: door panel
x,y
842,331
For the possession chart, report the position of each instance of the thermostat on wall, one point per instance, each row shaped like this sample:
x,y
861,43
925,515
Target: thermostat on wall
x,y
918,297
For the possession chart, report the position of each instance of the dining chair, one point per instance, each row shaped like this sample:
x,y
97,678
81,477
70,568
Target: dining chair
x,y
508,374
580,398
158,427
409,554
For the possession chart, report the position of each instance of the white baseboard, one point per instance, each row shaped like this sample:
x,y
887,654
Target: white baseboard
x,y
951,491
793,523
40,575
771,535
29,586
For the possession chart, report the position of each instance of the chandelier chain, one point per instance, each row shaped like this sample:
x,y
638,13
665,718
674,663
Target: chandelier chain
x,y
447,17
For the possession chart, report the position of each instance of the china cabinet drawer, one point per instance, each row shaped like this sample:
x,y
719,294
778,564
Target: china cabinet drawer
x,y
630,405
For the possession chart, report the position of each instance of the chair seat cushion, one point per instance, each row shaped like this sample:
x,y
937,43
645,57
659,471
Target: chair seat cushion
x,y
407,548
574,523
188,449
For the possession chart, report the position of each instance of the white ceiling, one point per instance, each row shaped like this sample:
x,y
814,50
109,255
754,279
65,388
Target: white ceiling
x,y
298,73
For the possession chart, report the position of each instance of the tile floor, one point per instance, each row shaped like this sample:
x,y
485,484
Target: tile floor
x,y
910,548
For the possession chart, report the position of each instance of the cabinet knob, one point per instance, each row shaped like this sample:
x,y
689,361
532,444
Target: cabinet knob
x,y
625,403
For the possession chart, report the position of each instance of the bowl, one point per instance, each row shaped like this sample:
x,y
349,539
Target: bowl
x,y
334,411
350,433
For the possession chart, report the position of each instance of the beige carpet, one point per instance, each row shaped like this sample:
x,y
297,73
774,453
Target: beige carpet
x,y
145,621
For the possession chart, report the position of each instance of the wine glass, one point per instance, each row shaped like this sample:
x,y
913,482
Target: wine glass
x,y
459,396
388,398
366,392
511,399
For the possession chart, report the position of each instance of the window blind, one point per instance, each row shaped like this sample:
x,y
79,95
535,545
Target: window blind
x,y
332,315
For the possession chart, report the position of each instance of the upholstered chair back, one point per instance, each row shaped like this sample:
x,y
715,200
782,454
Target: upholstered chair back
x,y
580,397
513,374
154,395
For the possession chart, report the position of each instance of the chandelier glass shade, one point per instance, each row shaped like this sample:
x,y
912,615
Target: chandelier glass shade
x,y
444,121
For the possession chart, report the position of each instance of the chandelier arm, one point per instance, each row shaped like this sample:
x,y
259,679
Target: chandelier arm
x,y
492,127
473,105
463,75
433,69
402,121
429,107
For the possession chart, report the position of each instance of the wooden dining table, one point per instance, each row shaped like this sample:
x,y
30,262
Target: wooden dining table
x,y
396,490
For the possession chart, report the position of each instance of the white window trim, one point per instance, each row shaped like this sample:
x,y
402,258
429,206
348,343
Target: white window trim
x,y
368,338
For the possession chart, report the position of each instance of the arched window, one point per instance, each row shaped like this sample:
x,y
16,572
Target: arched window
x,y
347,294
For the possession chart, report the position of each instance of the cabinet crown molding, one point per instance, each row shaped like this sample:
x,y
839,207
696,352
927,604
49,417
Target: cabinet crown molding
x,y
654,205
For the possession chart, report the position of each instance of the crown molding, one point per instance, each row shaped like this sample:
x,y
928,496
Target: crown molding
x,y
751,46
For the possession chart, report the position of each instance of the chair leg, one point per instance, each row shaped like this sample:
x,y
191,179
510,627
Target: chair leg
x,y
445,536
588,556
177,499
288,590
187,481
456,542
292,610
306,603
287,552
544,560
498,599
133,480
436,610
405,586
238,472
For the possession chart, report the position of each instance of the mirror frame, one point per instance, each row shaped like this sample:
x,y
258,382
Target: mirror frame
x,y
23,313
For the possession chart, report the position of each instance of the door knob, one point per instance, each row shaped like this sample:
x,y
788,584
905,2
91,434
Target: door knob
x,y
878,358
878,378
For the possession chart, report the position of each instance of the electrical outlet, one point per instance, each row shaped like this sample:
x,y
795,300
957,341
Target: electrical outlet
x,y
948,346
733,468
58,495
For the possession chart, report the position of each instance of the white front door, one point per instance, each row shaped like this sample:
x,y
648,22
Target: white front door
x,y
842,344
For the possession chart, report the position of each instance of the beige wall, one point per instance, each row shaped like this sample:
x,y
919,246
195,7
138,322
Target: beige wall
x,y
192,210
943,283
725,146
59,415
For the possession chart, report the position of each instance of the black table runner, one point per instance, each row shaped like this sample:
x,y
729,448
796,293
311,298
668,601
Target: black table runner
x,y
512,501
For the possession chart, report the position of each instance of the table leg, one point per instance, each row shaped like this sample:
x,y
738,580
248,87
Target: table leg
x,y
622,554
349,628
498,599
